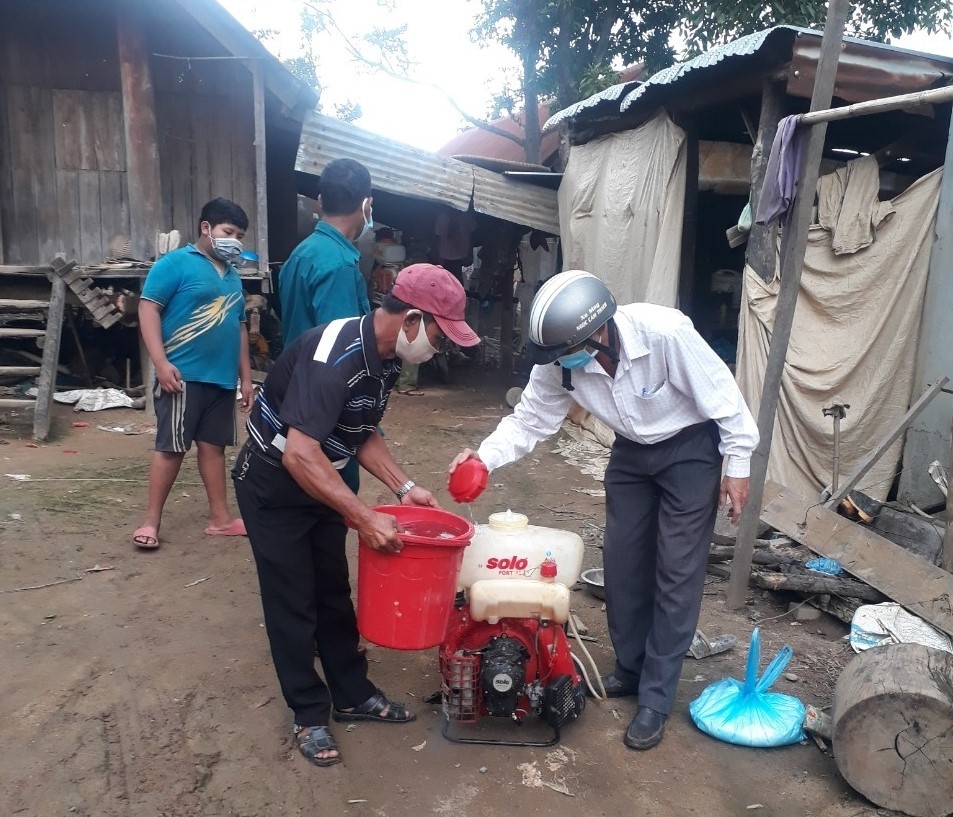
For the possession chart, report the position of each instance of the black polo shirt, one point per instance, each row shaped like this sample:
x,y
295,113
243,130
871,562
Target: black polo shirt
x,y
331,385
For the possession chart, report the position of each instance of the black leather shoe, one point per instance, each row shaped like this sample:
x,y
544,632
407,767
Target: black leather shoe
x,y
618,689
646,729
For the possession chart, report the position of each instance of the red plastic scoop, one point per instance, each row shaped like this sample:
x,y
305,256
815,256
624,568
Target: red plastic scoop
x,y
468,480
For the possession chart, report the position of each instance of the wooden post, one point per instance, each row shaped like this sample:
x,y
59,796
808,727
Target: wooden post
x,y
761,254
142,151
791,265
261,174
946,556
686,274
506,321
46,381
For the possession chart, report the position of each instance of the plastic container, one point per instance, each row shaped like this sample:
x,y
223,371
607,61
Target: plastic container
x,y
468,480
404,599
493,599
510,548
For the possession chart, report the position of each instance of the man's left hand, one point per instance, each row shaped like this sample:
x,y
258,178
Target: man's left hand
x,y
735,490
420,496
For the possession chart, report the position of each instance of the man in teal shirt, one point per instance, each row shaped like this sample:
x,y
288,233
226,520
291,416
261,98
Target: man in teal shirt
x,y
321,281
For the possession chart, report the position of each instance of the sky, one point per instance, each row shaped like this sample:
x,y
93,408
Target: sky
x,y
439,45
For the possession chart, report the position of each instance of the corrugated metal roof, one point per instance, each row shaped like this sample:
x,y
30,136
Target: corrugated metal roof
x,y
609,97
406,171
866,70
742,47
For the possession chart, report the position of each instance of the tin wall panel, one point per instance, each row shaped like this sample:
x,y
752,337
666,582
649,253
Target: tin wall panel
x,y
394,167
400,169
496,195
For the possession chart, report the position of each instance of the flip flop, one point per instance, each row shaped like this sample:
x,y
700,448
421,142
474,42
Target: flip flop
x,y
146,537
411,392
234,528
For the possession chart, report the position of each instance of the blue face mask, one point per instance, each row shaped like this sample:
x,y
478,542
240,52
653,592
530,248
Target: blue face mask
x,y
577,359
368,222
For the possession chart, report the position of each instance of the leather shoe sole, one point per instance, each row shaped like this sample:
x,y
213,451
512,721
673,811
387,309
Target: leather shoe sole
x,y
616,688
646,729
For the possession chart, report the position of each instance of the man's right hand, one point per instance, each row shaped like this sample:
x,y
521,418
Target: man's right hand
x,y
169,378
380,532
463,456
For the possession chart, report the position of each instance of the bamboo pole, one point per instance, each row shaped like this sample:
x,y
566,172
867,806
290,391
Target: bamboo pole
x,y
887,103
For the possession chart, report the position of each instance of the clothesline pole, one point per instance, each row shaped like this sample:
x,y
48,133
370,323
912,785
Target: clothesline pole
x,y
887,103
791,265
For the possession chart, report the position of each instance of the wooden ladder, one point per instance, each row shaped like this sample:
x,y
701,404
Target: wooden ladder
x,y
49,315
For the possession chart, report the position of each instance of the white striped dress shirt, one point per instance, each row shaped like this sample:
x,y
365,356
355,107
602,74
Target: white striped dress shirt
x,y
667,379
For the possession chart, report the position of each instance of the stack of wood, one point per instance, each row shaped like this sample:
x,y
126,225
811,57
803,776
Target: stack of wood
x,y
779,565
103,310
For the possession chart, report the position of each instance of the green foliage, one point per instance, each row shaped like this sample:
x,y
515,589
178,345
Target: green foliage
x,y
709,22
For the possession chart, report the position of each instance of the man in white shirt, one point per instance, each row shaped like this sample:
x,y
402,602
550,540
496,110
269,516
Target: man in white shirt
x,y
678,417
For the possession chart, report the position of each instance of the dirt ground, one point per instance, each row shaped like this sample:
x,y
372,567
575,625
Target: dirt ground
x,y
147,688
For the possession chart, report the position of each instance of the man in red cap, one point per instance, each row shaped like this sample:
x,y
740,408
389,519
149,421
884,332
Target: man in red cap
x,y
319,407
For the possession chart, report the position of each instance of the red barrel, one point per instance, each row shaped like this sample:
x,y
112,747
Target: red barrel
x,y
404,599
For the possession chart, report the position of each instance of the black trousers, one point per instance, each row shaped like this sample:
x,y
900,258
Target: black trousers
x,y
661,502
298,544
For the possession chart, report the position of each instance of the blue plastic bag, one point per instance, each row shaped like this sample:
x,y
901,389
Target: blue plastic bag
x,y
746,714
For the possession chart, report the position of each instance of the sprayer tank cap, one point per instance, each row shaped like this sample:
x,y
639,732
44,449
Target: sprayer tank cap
x,y
508,520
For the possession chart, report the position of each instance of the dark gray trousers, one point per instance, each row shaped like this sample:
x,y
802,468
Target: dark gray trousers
x,y
661,502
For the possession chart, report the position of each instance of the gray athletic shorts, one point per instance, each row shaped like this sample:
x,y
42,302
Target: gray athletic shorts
x,y
200,412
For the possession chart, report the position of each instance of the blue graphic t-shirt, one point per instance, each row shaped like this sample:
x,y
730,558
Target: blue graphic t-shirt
x,y
202,313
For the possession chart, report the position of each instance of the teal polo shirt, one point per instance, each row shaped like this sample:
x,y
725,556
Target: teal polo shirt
x,y
321,282
202,314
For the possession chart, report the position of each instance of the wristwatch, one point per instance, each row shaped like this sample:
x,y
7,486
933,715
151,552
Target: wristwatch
x,y
405,489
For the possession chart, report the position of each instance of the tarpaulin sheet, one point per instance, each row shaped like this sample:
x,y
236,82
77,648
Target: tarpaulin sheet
x,y
621,205
854,336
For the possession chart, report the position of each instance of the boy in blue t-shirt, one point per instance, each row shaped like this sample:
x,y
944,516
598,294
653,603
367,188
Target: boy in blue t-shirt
x,y
192,320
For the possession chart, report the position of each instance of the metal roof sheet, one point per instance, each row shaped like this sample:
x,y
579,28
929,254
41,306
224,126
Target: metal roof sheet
x,y
407,171
866,70
742,47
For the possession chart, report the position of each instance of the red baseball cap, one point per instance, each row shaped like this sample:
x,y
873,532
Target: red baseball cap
x,y
432,289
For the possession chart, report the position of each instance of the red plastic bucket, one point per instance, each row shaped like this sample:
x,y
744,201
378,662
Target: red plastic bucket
x,y
404,599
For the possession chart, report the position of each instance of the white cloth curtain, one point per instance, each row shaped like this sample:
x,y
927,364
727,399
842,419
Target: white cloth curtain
x,y
620,210
855,336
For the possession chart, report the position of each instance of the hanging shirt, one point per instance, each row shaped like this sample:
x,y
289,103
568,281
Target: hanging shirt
x,y
667,379
331,385
321,282
202,313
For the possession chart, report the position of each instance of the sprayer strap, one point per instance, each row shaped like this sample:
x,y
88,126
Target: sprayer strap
x,y
405,489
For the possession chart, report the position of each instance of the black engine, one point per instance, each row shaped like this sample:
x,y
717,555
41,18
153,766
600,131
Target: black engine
x,y
503,675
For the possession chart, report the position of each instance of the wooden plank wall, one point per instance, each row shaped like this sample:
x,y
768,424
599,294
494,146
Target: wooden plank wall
x,y
206,149
62,156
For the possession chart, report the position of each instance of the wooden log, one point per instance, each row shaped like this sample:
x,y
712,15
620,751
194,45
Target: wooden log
x,y
762,556
893,728
815,583
842,609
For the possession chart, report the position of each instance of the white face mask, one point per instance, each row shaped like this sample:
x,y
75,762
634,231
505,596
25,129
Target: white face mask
x,y
226,249
419,349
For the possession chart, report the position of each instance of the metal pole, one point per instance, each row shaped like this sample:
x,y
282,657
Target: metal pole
x,y
837,13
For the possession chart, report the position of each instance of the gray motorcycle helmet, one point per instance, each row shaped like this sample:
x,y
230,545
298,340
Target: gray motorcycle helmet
x,y
568,308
